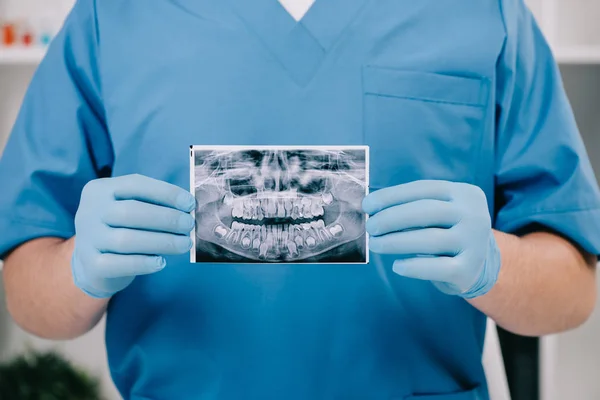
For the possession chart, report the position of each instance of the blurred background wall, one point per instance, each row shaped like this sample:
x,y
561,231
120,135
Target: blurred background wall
x,y
569,364
30,24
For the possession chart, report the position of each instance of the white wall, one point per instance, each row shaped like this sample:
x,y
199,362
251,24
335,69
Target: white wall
x,y
87,351
13,83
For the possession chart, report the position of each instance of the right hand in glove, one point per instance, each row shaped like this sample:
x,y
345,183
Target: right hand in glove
x,y
124,226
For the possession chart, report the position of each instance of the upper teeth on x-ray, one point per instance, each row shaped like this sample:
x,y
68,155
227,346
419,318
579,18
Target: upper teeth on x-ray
x,y
279,205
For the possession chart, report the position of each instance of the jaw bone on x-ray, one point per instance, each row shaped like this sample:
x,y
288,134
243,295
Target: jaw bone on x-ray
x,y
279,204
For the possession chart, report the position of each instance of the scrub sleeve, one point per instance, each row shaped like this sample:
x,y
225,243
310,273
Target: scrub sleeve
x,y
543,174
59,141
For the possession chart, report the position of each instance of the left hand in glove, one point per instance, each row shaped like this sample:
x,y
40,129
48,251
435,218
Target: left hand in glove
x,y
439,231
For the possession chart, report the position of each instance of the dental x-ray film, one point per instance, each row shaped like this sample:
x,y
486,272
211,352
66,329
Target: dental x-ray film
x,y
279,204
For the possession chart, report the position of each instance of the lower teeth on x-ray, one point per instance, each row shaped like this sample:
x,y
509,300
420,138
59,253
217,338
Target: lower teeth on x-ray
x,y
279,205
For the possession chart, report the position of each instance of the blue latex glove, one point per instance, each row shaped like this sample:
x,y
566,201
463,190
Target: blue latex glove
x,y
124,226
440,231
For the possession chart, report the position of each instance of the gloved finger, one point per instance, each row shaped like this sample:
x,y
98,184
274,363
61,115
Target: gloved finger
x,y
111,265
143,188
133,241
406,193
440,269
417,214
429,241
145,216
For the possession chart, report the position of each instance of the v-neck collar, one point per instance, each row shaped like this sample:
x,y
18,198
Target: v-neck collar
x,y
299,46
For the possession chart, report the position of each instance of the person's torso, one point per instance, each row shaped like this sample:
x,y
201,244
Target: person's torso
x,y
413,80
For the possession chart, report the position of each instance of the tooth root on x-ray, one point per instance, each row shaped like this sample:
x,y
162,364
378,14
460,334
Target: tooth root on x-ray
x,y
292,249
283,206
299,242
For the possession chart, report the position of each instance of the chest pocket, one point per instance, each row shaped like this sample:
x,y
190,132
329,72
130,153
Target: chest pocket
x,y
422,125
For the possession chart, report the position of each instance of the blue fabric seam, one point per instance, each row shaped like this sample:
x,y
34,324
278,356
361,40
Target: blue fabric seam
x,y
427,100
502,17
96,25
98,65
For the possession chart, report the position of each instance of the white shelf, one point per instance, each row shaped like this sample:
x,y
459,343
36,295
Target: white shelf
x,y
21,55
578,54
564,55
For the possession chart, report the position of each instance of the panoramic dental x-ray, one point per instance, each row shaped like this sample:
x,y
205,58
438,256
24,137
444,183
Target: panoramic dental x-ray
x,y
279,204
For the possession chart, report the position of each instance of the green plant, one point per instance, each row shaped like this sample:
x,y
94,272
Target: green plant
x,y
46,376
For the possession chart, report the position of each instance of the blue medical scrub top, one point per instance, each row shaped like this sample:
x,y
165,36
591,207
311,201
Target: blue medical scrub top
x,y
455,90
